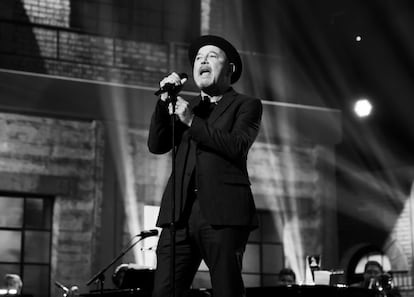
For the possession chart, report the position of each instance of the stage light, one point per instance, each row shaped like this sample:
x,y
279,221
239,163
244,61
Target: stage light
x,y
358,38
8,292
363,108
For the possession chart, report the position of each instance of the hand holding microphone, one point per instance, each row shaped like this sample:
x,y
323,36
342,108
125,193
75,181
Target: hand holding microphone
x,y
171,84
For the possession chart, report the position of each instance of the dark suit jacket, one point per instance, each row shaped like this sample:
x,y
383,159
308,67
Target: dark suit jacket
x,y
218,149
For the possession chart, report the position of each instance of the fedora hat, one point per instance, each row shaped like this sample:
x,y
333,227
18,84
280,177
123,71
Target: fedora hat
x,y
231,52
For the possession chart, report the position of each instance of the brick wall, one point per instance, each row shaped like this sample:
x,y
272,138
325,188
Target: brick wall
x,y
44,41
400,245
71,54
61,158
295,182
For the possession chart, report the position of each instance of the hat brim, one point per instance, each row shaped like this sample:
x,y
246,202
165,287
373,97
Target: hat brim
x,y
231,52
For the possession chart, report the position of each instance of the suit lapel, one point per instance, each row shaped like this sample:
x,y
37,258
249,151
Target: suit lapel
x,y
195,101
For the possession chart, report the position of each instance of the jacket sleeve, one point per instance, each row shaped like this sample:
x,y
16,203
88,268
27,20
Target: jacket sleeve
x,y
236,142
160,132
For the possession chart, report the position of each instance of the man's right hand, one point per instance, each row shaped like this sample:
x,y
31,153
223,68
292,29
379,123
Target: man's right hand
x,y
173,78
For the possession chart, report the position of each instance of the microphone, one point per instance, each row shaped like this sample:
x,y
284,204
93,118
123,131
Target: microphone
x,y
169,87
148,233
371,284
59,285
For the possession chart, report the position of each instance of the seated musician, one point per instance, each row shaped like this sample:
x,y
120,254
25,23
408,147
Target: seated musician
x,y
375,278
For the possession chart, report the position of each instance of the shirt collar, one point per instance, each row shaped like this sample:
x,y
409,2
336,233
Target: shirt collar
x,y
213,99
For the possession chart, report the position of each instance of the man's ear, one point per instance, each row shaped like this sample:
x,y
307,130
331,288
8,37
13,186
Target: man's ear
x,y
232,68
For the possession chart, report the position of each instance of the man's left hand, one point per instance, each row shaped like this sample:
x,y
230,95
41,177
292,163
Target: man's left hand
x,y
183,111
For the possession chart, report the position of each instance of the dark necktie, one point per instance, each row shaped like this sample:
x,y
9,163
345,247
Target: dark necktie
x,y
206,107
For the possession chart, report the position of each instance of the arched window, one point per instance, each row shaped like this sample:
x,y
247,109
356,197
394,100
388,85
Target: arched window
x,y
355,266
373,256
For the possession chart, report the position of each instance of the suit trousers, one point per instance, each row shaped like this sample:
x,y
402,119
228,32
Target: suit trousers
x,y
221,248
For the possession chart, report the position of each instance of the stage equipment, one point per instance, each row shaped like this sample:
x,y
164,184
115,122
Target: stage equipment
x,y
100,276
129,277
310,291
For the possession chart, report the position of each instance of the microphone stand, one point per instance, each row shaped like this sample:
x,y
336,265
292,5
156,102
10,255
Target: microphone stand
x,y
172,97
100,276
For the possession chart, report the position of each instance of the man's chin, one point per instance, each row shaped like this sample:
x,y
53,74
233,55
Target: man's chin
x,y
204,85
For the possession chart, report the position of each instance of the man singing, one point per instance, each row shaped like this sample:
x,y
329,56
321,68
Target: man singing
x,y
215,211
